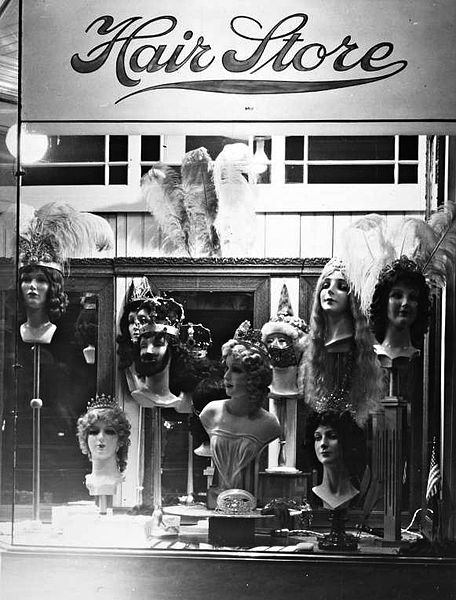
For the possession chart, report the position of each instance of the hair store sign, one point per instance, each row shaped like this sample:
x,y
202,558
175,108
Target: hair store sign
x,y
304,61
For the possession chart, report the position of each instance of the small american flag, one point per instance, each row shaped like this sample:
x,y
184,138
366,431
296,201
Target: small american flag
x,y
434,477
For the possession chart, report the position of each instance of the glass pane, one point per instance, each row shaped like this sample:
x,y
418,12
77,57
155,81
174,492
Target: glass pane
x,y
294,173
265,177
42,175
118,148
150,147
355,147
294,147
118,175
351,174
408,173
408,147
76,148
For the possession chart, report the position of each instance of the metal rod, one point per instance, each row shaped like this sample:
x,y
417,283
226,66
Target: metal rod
x,y
36,405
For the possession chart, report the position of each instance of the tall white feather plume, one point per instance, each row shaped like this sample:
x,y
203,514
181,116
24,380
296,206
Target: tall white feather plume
x,y
162,190
441,259
235,222
200,203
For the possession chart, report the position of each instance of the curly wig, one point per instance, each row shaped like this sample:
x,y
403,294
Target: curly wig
x,y
407,272
114,417
350,435
256,365
366,385
57,300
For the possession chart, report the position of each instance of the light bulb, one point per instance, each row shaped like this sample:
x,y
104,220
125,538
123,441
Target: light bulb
x,y
260,160
33,145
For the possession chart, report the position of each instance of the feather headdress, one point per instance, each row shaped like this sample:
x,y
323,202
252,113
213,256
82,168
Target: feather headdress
x,y
233,177
370,244
56,232
164,196
200,203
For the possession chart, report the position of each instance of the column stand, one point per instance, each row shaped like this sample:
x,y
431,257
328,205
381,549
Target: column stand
x,y
36,404
338,540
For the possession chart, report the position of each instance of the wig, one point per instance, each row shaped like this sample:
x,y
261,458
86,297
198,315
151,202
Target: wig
x,y
256,364
57,300
366,378
126,349
407,272
114,417
351,438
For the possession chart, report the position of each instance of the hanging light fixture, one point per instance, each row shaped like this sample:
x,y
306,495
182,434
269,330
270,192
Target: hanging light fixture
x,y
33,145
260,159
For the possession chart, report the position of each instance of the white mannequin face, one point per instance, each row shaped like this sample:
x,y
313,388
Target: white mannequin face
x,y
402,305
334,294
34,287
235,378
327,445
134,325
102,440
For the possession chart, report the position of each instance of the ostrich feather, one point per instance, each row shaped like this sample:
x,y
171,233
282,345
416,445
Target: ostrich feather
x,y
200,203
442,256
79,234
161,188
413,238
233,172
365,250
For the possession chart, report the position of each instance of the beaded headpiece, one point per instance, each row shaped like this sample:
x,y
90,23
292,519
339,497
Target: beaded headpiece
x,y
196,338
166,315
251,338
102,401
235,502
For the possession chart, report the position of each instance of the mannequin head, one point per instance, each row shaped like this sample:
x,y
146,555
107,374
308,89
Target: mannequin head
x,y
41,289
284,336
248,372
401,301
103,433
335,440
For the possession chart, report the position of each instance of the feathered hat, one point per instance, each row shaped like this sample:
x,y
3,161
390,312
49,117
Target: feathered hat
x,y
371,245
285,322
56,232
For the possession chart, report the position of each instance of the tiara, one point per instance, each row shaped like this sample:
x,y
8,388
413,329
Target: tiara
x,y
139,290
39,250
102,401
165,315
403,264
197,338
335,264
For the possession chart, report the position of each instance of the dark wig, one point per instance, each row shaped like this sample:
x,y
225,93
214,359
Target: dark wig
x,y
350,435
407,272
126,350
57,300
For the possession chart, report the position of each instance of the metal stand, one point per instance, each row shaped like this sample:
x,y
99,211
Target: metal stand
x,y
156,460
282,453
190,497
338,540
36,404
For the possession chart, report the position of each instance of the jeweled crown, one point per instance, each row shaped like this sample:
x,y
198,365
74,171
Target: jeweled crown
x,y
39,249
101,401
196,337
139,290
165,314
246,334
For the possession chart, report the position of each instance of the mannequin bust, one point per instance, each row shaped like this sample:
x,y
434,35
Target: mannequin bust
x,y
103,434
339,448
400,311
340,370
43,301
238,427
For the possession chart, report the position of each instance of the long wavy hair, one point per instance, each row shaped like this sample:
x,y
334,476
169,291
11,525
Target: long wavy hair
x,y
367,379
126,349
257,367
56,299
113,417
407,272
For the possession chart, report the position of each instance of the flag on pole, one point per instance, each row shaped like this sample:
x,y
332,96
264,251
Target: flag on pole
x,y
434,477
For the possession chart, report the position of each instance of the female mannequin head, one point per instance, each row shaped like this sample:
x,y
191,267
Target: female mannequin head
x,y
401,302
112,427
41,289
248,372
333,299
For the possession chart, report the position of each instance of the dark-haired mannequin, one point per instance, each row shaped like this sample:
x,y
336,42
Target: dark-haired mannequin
x,y
35,291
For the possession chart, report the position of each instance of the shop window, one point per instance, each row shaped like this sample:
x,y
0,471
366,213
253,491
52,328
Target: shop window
x,y
81,160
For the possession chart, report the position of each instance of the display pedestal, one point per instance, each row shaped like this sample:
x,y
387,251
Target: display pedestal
x,y
229,531
282,452
338,540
